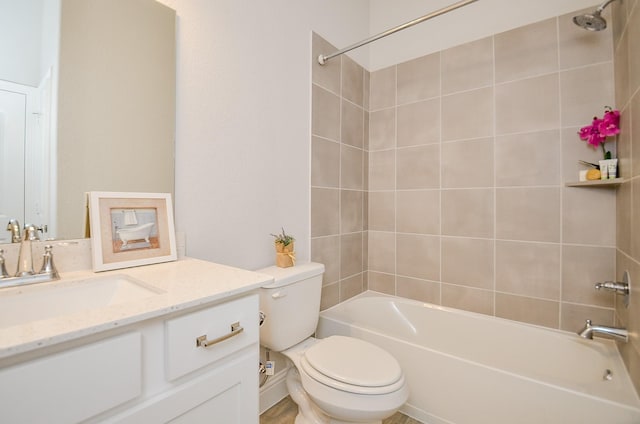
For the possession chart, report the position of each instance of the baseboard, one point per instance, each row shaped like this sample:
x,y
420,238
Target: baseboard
x,y
422,416
274,390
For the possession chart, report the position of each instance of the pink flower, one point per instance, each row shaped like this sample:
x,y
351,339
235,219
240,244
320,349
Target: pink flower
x,y
597,133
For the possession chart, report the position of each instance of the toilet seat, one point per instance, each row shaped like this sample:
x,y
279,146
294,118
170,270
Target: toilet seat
x,y
352,365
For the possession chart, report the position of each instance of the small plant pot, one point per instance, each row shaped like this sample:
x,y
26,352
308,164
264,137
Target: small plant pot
x,y
285,255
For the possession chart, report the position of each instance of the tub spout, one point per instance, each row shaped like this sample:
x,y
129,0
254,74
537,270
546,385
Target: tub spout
x,y
617,333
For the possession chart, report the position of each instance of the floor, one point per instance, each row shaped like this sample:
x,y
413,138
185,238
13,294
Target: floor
x,y
284,412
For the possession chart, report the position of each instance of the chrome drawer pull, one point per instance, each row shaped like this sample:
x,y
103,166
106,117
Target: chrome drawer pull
x,y
235,330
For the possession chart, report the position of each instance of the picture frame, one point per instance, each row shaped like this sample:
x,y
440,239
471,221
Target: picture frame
x,y
130,229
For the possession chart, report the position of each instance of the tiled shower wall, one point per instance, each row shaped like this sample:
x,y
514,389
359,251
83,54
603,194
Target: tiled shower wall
x,y
451,175
626,30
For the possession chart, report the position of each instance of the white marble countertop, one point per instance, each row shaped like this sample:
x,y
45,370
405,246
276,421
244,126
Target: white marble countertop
x,y
183,284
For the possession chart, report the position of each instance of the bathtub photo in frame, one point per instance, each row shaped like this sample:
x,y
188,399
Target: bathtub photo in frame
x,y
130,229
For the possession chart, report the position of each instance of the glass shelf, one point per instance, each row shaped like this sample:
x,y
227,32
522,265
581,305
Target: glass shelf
x,y
597,183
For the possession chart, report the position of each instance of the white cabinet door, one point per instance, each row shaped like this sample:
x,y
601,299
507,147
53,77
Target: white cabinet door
x,y
226,394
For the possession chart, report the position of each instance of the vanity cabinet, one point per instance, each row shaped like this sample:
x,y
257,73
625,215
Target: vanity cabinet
x,y
155,371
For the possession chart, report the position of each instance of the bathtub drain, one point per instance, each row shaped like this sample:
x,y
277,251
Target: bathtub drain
x,y
608,375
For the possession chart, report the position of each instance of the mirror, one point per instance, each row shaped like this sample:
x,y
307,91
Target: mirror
x,y
93,82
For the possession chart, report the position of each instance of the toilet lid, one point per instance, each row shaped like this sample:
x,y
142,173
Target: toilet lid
x,y
354,362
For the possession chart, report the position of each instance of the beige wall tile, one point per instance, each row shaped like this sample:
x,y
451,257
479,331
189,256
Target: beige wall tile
x,y
619,17
621,71
421,290
419,123
325,212
382,93
467,164
635,219
529,159
330,296
382,129
528,269
382,283
382,211
573,316
352,124
526,51
418,211
582,267
352,80
418,256
467,213
467,299
635,132
468,262
328,75
633,28
467,66
579,47
382,170
467,115
623,218
351,167
326,250
527,309
367,91
418,167
419,79
531,214
350,255
528,105
350,287
622,144
585,92
325,163
588,216
325,115
351,207
382,252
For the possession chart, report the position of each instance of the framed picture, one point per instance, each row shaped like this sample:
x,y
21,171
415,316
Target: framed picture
x,y
130,229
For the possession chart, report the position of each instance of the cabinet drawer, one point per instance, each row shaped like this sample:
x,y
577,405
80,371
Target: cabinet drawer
x,y
222,329
73,385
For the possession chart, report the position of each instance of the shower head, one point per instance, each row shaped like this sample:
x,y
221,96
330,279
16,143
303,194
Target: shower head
x,y
592,21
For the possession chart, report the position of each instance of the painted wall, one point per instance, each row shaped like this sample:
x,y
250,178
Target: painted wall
x,y
243,121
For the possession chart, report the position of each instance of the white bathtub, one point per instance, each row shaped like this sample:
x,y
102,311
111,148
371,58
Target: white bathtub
x,y
466,368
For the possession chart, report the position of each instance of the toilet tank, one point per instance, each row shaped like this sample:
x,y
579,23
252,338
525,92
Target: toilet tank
x,y
291,304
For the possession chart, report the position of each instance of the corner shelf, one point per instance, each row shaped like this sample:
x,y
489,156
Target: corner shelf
x,y
597,183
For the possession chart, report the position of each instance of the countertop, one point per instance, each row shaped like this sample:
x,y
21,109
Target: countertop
x,y
183,284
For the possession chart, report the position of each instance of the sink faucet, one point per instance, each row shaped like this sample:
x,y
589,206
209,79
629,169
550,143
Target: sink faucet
x,y
617,333
25,258
14,228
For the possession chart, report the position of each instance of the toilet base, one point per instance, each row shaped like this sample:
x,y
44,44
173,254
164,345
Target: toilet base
x,y
308,412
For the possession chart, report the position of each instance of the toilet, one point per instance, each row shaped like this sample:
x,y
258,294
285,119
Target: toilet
x,y
336,380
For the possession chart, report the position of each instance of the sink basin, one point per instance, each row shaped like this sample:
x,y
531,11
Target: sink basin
x,y
21,305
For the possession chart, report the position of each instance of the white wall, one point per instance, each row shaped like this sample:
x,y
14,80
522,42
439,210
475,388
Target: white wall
x,y
243,104
471,22
243,121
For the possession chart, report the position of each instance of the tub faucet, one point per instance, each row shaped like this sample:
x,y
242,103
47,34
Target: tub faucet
x,y
615,332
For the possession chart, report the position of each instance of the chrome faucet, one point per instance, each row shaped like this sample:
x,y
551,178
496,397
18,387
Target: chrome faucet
x,y
25,273
14,228
25,258
617,333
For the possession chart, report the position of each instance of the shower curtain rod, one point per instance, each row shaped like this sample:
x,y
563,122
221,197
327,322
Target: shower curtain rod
x,y
322,59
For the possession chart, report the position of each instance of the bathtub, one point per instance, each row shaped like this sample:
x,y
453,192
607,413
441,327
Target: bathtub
x,y
138,232
467,368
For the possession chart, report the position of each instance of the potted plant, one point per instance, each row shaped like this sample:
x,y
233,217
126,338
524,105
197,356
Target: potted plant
x,y
285,255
